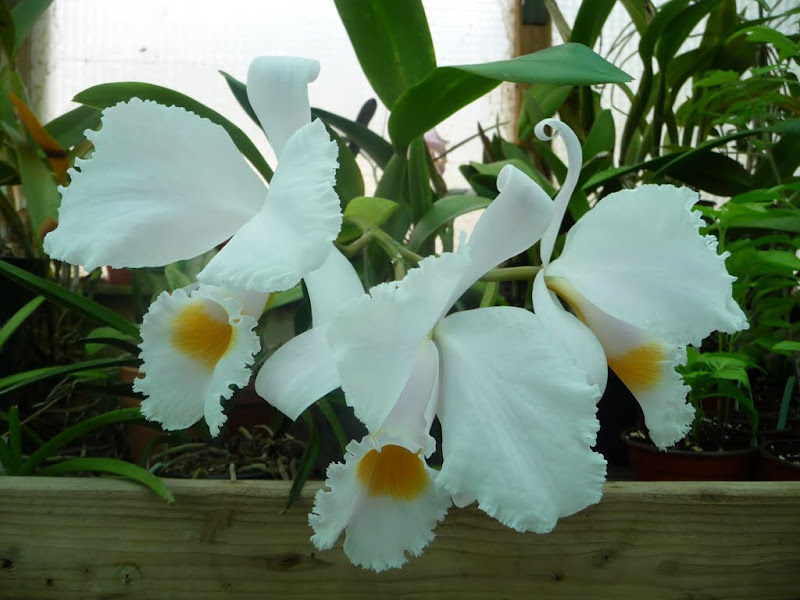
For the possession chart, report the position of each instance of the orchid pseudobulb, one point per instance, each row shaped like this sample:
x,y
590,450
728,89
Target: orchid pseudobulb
x,y
163,185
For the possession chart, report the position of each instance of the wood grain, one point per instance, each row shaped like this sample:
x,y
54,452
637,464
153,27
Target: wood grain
x,y
102,538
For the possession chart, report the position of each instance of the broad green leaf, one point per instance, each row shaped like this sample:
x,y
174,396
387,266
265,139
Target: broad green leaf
x,y
8,329
76,431
589,21
362,213
393,182
18,380
714,173
115,467
601,137
447,89
108,94
69,299
779,258
786,346
441,213
41,192
370,142
68,129
392,42
541,101
25,15
786,48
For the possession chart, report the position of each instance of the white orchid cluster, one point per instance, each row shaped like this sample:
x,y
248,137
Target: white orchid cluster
x,y
515,391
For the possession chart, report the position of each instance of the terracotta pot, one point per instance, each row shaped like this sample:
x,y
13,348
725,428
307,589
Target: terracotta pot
x,y
771,467
651,464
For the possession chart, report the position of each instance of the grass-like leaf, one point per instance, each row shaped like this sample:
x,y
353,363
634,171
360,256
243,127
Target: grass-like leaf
x,y
115,467
18,319
69,299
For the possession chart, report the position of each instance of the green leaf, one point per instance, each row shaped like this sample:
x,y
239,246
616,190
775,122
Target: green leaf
x,y
392,42
786,346
239,91
76,431
441,213
714,173
7,460
69,299
349,182
778,258
108,94
370,142
41,193
68,129
327,411
308,461
601,137
786,48
25,15
362,213
589,21
18,319
7,34
176,279
115,467
101,337
447,89
278,299
18,380
419,190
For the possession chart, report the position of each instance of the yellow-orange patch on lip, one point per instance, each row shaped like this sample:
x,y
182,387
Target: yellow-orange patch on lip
x,y
392,471
639,368
200,335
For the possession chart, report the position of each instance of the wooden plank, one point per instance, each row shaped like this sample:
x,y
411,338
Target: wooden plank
x,y
103,538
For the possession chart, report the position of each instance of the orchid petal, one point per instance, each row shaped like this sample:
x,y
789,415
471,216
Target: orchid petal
x,y
644,362
379,528
194,348
512,223
277,87
292,234
638,256
376,338
299,373
162,185
518,420
577,339
330,286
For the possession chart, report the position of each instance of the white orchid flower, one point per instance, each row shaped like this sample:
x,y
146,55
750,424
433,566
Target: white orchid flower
x,y
164,185
384,495
196,344
642,283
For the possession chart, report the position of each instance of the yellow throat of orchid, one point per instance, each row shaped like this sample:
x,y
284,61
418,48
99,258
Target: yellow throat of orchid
x,y
392,471
200,335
